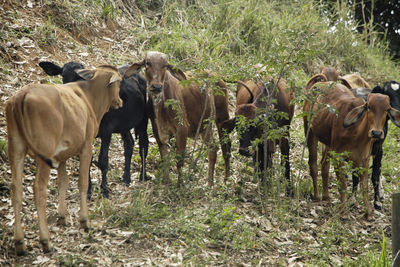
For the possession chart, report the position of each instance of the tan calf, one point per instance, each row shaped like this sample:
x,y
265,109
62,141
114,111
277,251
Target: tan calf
x,y
53,123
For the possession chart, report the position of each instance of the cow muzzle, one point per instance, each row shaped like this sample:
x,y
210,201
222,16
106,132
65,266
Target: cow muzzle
x,y
156,88
117,103
244,152
376,134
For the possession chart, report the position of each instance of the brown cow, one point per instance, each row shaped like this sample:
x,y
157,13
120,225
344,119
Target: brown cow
x,y
354,129
251,99
361,89
53,123
192,105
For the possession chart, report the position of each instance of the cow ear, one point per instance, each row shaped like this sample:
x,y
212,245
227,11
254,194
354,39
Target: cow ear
x,y
229,125
115,78
85,74
316,78
179,74
134,68
50,68
377,89
354,115
394,116
345,82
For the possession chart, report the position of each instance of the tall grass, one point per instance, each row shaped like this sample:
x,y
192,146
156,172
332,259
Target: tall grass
x,y
219,34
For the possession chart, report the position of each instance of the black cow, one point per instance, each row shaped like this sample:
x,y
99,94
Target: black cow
x,y
279,98
391,89
133,114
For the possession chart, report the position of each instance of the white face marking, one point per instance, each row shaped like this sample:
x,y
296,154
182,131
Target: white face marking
x,y
395,86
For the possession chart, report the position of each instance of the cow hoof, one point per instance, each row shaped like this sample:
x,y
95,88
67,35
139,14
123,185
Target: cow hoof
x,y
20,248
289,192
316,199
378,205
46,246
62,221
126,179
144,178
84,225
106,193
368,217
326,198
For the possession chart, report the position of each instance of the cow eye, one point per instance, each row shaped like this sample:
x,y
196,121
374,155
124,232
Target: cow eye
x,y
368,108
148,64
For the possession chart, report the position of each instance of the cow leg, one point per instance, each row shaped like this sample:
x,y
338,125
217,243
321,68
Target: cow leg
x,y
376,173
342,182
285,147
62,181
355,177
226,150
263,160
103,162
143,150
40,194
258,161
16,155
165,162
325,174
364,184
128,150
84,166
181,138
89,192
163,148
312,145
212,155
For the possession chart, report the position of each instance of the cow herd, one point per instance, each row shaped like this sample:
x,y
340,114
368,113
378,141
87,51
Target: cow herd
x,y
52,123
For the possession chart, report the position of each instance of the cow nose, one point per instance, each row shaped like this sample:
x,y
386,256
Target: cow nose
x,y
244,152
156,88
376,134
117,104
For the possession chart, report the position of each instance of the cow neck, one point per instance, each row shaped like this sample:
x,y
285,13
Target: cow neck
x,y
169,83
96,97
167,92
261,102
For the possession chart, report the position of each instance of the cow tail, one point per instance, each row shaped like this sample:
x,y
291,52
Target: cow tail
x,y
18,110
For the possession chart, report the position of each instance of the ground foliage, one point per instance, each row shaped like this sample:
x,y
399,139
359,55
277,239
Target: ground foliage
x,y
230,224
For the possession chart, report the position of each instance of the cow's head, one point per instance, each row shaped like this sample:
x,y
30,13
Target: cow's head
x,y
111,76
67,72
330,73
249,130
375,111
391,89
156,64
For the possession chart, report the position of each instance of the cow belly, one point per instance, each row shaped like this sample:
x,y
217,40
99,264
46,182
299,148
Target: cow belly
x,y
55,125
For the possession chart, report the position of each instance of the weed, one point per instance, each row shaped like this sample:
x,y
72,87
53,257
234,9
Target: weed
x,y
47,34
3,150
70,260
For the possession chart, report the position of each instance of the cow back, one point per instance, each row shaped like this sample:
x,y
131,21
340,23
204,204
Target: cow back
x,y
332,109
